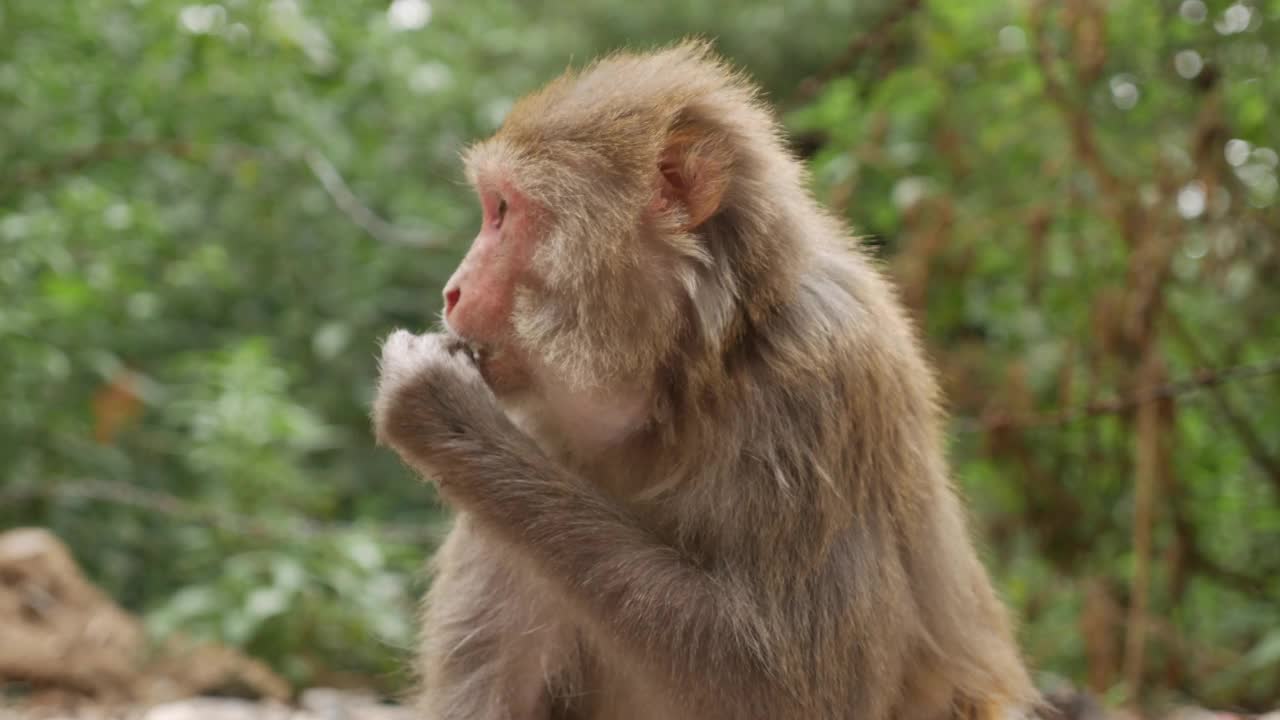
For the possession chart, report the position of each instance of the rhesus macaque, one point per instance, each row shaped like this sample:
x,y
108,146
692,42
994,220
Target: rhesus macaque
x,y
693,446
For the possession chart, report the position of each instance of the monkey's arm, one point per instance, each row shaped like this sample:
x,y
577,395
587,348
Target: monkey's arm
x,y
701,630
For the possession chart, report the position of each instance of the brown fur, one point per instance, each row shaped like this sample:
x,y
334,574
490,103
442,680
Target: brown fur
x,y
768,529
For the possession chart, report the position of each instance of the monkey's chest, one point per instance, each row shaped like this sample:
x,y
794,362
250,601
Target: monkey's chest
x,y
613,692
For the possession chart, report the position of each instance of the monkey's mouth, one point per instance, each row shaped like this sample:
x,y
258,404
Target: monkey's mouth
x,y
474,351
500,370
480,354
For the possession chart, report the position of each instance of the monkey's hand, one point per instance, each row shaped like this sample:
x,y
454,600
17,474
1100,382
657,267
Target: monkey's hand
x,y
431,401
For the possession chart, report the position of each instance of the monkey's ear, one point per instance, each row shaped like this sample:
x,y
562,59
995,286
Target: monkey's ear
x,y
694,171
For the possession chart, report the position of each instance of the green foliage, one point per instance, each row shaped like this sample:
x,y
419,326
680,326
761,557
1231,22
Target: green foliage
x,y
961,159
190,304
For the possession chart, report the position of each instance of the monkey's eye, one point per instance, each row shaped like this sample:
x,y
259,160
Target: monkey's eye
x,y
502,214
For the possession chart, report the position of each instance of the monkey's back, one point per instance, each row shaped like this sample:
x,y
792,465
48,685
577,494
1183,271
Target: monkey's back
x,y
824,474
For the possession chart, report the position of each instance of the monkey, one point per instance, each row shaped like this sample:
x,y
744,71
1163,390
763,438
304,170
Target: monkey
x,y
691,440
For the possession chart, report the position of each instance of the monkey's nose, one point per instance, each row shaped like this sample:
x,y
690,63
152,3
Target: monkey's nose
x,y
451,296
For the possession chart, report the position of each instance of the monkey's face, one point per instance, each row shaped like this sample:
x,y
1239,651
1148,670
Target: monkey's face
x,y
480,297
583,272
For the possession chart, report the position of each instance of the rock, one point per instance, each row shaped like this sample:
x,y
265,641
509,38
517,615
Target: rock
x,y
56,628
331,704
60,633
1195,713
207,708
1064,702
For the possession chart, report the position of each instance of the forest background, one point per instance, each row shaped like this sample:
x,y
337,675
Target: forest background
x,y
211,213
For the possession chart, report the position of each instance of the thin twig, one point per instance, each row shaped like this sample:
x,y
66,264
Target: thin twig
x,y
1198,561
359,213
1249,437
1196,381
324,172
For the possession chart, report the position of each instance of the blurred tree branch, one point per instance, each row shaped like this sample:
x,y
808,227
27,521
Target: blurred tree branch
x,y
359,213
1151,453
872,39
324,171
1199,562
1205,378
1077,119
